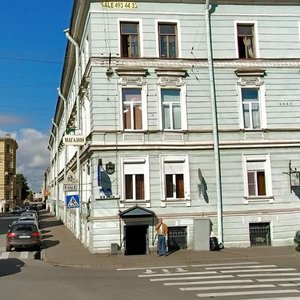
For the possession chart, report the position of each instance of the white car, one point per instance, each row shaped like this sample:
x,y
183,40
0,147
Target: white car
x,y
30,218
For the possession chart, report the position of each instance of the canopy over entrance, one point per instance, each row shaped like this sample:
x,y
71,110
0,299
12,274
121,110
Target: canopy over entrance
x,y
136,212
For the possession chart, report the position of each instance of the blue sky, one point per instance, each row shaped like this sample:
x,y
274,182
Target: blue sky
x,y
31,60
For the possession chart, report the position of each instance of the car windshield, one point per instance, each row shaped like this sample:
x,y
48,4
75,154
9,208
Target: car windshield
x,y
28,215
23,227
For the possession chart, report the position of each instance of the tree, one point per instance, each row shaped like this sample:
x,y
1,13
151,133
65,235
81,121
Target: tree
x,y
22,184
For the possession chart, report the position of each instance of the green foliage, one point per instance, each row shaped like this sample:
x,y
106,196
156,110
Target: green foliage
x,y
22,182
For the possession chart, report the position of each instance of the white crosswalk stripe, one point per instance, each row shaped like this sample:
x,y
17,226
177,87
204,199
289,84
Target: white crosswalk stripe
x,y
4,255
22,255
237,281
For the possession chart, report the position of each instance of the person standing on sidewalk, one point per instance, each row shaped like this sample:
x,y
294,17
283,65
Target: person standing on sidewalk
x,y
161,232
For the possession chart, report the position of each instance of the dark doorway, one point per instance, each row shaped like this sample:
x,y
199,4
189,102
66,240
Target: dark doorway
x,y
136,239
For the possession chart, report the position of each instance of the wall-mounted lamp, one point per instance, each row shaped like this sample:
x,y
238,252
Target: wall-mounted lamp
x,y
294,177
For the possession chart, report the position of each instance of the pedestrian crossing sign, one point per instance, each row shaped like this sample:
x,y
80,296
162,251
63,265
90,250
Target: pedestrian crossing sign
x,y
72,201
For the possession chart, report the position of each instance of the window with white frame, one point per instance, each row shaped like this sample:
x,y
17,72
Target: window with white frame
x,y
258,177
132,106
172,107
167,37
252,103
129,32
135,180
246,40
175,178
251,110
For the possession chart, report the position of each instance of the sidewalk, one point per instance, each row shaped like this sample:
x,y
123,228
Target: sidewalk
x,y
61,248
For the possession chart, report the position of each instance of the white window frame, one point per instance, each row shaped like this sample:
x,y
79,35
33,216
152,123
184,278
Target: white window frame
x,y
141,36
256,46
262,103
132,164
265,164
177,22
184,160
143,89
182,89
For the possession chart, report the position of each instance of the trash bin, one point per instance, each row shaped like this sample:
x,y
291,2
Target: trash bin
x,y
114,248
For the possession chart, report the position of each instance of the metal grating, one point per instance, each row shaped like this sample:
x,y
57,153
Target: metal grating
x,y
260,234
177,238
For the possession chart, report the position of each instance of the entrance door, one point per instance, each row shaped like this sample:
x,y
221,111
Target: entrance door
x,y
136,239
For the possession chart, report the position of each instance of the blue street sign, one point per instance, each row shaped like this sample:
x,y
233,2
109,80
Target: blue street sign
x,y
72,201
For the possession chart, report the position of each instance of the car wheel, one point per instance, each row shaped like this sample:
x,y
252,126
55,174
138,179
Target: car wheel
x,y
297,248
8,249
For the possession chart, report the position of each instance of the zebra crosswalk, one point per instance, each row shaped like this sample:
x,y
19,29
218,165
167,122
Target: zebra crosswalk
x,y
22,255
232,280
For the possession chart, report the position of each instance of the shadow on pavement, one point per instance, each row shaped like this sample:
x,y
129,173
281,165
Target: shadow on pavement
x,y
10,266
49,243
48,224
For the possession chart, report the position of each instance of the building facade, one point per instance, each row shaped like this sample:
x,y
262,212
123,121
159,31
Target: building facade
x,y
8,190
187,112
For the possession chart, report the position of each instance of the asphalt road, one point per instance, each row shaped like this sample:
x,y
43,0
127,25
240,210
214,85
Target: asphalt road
x,y
24,277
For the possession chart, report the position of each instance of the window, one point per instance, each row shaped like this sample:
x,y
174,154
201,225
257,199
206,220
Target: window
x,y
136,179
129,39
175,178
251,90
134,187
245,41
251,108
132,108
171,109
258,177
167,36
174,186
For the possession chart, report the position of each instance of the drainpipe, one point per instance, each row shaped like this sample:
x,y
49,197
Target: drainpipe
x,y
78,210
56,166
66,147
215,124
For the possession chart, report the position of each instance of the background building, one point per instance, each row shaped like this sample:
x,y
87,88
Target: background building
x,y
8,191
182,110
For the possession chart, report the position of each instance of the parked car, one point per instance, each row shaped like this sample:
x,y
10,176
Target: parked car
x,y
17,210
31,219
33,211
23,235
30,214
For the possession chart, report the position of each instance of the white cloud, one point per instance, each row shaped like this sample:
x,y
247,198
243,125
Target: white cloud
x,y
32,155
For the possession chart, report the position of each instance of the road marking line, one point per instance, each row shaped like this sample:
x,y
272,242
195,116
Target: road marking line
x,y
264,275
148,268
191,278
239,267
259,270
278,279
24,255
223,294
4,255
181,270
278,298
227,264
227,287
177,274
213,282
289,284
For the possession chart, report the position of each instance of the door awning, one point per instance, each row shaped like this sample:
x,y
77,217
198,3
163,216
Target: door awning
x,y
136,212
